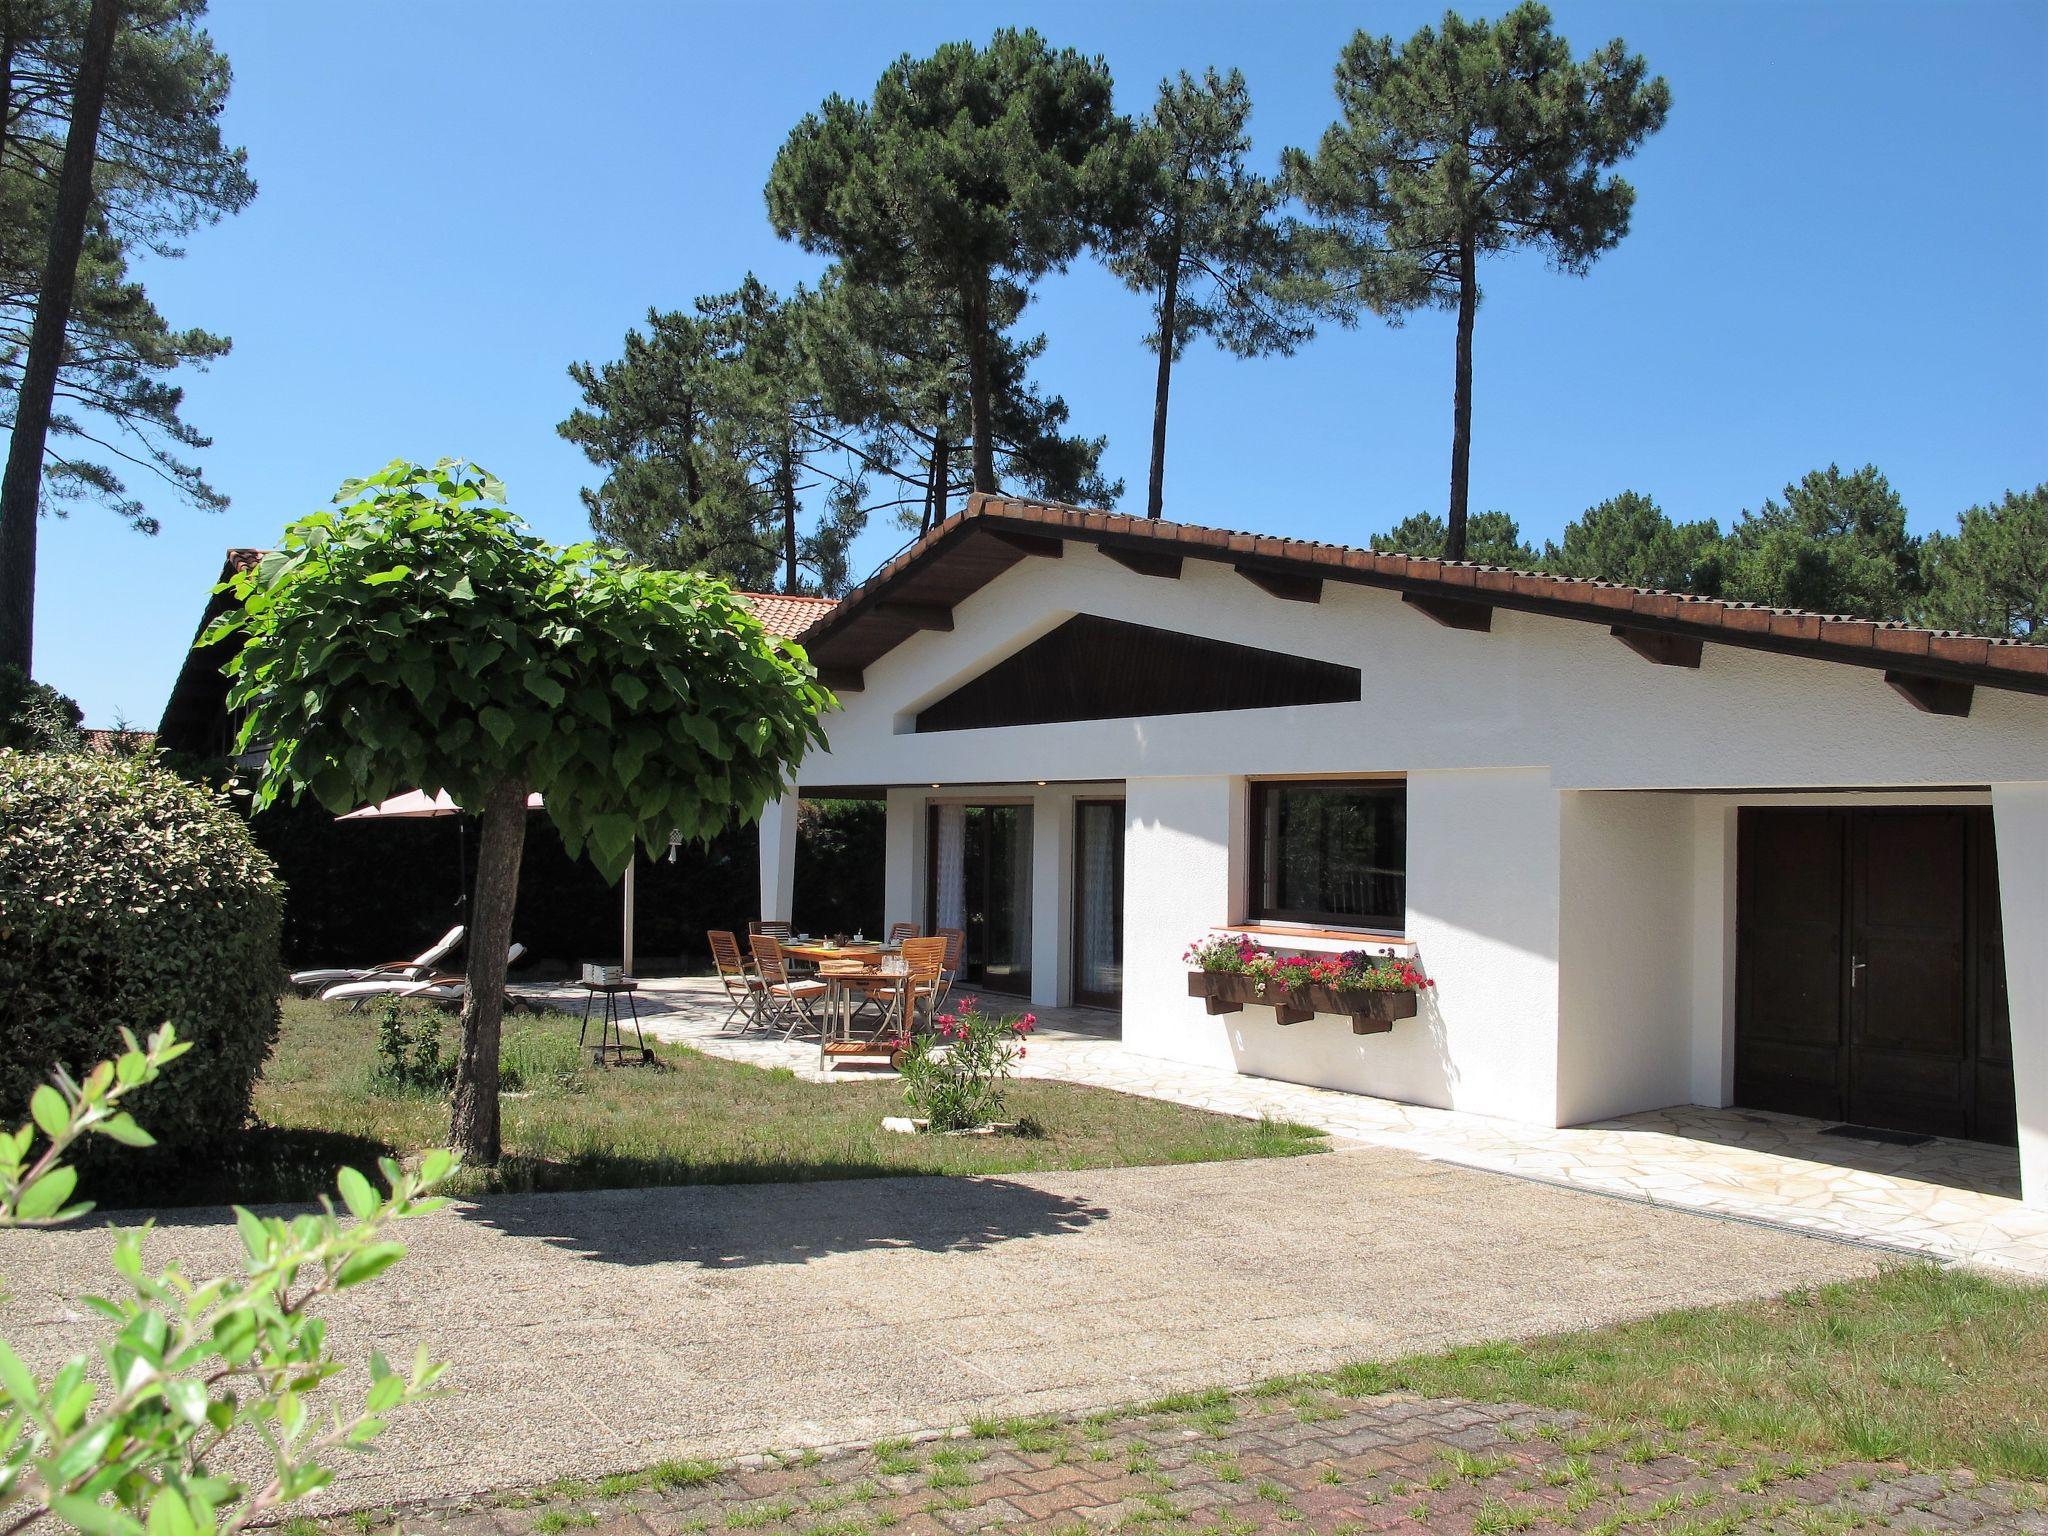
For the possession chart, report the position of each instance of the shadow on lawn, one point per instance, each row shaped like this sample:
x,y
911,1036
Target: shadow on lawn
x,y
734,1226
263,1165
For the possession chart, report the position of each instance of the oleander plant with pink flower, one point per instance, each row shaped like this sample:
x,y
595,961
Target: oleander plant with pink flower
x,y
1355,970
953,1077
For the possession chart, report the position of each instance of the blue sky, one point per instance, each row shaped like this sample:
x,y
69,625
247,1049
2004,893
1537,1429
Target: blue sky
x,y
1837,255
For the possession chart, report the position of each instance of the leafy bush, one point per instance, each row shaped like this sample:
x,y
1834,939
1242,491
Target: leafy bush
x,y
202,1410
409,1049
130,898
955,1081
34,716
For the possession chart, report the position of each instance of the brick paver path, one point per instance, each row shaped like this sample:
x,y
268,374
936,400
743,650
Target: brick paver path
x,y
1292,1459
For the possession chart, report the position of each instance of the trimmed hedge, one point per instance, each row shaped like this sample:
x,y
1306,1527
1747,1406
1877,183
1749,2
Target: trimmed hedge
x,y
129,896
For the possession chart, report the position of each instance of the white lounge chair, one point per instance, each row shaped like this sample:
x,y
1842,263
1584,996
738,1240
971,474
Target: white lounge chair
x,y
418,968
432,988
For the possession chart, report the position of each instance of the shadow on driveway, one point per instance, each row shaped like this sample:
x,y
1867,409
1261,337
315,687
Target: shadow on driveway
x,y
737,1226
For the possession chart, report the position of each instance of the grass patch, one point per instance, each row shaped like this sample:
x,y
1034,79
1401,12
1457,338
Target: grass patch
x,y
691,1120
1938,1368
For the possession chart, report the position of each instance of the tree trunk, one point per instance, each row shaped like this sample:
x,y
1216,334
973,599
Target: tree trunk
x,y
937,503
22,488
981,411
1169,310
785,490
1461,409
473,1126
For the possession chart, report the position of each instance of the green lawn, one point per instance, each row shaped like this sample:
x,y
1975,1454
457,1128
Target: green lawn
x,y
1939,1368
691,1120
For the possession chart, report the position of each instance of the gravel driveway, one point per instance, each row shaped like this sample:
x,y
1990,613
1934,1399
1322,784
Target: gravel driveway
x,y
598,1332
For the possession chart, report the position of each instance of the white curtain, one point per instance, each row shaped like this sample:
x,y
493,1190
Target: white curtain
x,y
1101,827
951,863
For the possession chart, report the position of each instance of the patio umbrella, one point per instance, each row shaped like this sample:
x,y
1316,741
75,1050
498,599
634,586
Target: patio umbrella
x,y
417,804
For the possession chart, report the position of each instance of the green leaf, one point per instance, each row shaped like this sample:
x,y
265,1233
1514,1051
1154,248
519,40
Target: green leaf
x,y
93,1517
367,1264
356,1191
630,689
15,1379
47,1194
383,578
122,1128
498,722
187,1399
545,688
47,1108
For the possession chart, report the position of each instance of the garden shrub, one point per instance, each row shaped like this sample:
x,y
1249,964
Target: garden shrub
x,y
955,1080
132,898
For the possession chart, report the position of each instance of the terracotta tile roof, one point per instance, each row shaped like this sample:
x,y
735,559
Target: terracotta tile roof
x,y
785,615
120,743
864,623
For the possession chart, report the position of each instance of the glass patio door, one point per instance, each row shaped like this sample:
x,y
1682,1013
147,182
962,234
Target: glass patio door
x,y
979,881
1099,903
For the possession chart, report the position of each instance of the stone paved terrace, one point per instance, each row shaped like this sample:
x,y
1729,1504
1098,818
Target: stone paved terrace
x,y
1948,1200
1294,1458
603,1331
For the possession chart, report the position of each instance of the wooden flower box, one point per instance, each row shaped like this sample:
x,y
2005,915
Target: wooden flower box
x,y
1370,1013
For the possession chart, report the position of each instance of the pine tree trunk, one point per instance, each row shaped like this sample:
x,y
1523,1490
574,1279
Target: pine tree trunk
x,y
981,410
1169,309
786,491
937,503
1461,409
473,1126
21,489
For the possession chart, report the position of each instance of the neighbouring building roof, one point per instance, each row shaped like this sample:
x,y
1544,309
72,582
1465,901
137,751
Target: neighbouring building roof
x,y
195,717
785,615
918,589
118,743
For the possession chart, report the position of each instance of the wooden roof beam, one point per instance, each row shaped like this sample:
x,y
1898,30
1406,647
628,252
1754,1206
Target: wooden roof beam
x,y
1452,612
1045,546
841,679
1935,695
1660,646
1290,586
1146,562
918,615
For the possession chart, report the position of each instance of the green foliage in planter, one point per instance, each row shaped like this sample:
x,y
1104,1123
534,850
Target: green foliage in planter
x,y
132,898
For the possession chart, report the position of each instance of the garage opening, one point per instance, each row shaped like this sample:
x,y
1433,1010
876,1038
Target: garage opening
x,y
1870,970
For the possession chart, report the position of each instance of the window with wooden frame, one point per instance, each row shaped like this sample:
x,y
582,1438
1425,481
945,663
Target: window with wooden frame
x,y
1332,852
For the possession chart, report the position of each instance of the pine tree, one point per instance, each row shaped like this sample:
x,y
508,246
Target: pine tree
x,y
159,170
1629,539
1990,577
1836,544
1467,141
1204,242
1494,538
967,171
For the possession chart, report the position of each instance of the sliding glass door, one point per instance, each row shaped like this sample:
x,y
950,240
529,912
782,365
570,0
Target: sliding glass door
x,y
1099,903
978,879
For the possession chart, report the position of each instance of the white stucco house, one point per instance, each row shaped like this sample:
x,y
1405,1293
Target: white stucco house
x,y
1651,849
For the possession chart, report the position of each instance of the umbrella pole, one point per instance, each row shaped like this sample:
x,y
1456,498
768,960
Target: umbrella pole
x,y
626,949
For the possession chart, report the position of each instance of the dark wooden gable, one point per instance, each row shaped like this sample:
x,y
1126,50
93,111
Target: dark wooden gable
x,y
1093,668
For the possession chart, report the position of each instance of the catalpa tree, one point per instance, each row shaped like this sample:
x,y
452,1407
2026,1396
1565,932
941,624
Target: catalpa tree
x,y
419,636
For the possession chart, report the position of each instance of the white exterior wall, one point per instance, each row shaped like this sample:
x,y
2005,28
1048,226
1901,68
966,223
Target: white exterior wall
x,y
1627,927
2019,816
1582,943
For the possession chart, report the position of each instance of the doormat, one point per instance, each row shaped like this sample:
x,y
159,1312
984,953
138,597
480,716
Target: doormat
x,y
1872,1133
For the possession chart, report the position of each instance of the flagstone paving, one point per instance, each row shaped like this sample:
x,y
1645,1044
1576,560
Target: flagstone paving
x,y
588,1333
1954,1201
1293,1458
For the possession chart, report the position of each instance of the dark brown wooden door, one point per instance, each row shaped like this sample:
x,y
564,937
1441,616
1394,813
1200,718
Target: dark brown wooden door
x,y
1869,970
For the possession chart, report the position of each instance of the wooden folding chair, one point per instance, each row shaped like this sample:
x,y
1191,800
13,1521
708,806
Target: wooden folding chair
x,y
924,962
898,932
773,926
781,997
743,989
956,961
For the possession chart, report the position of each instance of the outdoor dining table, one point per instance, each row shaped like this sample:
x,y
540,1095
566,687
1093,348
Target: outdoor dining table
x,y
817,952
845,981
